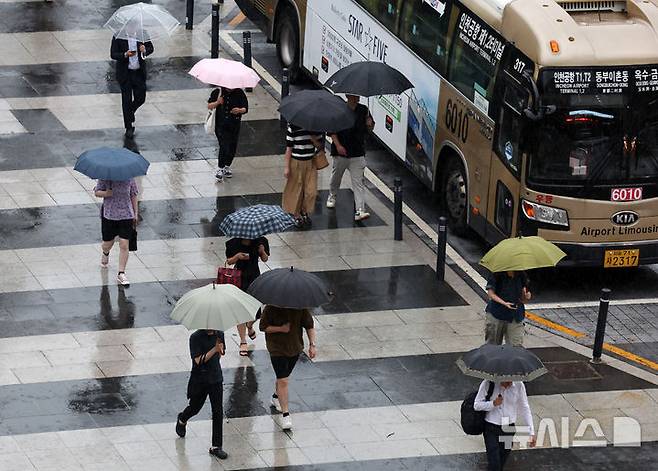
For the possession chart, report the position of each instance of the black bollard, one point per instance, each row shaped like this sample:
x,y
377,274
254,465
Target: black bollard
x,y
285,91
602,321
246,48
214,31
441,248
397,208
189,14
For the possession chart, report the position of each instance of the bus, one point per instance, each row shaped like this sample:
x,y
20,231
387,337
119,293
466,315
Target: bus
x,y
528,117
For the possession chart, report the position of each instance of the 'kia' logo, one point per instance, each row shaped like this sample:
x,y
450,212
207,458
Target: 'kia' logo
x,y
625,218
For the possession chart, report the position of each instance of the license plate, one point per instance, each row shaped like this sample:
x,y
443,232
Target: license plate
x,y
621,258
626,194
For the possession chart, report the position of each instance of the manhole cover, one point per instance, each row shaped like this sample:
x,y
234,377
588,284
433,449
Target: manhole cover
x,y
572,370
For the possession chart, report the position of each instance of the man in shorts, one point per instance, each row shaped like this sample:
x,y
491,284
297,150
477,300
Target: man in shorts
x,y
283,329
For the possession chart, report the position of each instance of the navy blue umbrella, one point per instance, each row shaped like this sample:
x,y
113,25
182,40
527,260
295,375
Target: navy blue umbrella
x,y
111,163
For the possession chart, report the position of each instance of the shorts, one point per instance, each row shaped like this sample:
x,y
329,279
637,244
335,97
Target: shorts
x,y
283,366
111,229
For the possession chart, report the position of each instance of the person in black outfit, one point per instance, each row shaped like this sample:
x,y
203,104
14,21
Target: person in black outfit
x,y
244,254
206,380
231,104
129,55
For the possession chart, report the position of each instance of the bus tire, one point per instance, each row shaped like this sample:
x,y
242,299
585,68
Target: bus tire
x,y
287,43
455,196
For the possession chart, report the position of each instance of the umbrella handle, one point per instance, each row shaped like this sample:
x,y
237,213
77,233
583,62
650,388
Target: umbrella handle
x,y
142,56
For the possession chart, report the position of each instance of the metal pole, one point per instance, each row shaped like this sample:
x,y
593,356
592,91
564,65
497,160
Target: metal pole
x,y
397,208
285,91
441,249
189,14
602,321
214,31
246,47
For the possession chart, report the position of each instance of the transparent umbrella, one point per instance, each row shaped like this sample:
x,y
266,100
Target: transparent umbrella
x,y
142,21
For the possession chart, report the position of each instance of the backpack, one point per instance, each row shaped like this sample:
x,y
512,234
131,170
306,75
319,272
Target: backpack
x,y
472,421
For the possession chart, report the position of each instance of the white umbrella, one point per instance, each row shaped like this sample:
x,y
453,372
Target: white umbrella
x,y
215,307
142,21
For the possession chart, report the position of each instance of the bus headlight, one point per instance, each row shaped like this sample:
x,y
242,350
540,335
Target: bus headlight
x,y
545,214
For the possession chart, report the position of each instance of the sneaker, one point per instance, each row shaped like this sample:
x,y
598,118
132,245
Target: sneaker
x,y
123,279
218,452
227,172
299,222
286,422
105,259
180,427
306,220
219,175
360,215
276,404
331,201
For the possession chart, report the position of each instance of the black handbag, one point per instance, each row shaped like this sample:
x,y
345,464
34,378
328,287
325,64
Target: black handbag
x,y
472,421
132,242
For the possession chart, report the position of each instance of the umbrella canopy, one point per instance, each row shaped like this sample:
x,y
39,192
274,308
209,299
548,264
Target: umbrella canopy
x,y
291,288
216,307
111,163
225,73
142,21
369,78
317,110
255,221
522,253
501,363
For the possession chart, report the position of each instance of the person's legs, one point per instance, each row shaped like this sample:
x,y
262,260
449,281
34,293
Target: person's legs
x,y
310,192
357,166
505,448
127,103
494,330
232,147
193,407
216,395
492,445
220,136
123,254
139,91
292,192
282,393
242,332
338,167
514,333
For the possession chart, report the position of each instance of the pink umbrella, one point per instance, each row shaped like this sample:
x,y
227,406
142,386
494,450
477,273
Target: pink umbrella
x,y
225,73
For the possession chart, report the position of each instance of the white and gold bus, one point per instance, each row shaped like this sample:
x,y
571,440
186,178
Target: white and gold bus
x,y
527,116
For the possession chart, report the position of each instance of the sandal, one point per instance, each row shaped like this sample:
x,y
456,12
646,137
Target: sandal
x,y
251,333
244,351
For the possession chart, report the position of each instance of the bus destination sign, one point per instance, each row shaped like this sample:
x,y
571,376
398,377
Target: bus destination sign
x,y
600,81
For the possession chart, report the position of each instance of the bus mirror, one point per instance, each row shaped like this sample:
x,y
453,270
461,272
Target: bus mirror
x,y
533,111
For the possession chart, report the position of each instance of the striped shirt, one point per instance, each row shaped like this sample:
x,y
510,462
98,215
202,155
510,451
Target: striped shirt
x,y
300,141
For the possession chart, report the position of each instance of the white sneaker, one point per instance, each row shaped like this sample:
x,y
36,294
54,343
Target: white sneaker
x,y
219,175
286,423
227,172
123,279
361,214
276,404
331,201
105,259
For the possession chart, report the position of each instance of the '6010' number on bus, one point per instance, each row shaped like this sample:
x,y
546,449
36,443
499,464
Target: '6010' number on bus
x,y
457,120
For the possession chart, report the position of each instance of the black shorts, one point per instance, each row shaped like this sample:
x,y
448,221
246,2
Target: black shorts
x,y
111,229
283,366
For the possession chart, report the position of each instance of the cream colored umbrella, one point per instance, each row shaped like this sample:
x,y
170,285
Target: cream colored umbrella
x,y
215,307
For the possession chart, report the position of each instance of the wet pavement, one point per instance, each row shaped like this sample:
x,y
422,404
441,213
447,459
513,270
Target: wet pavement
x,y
92,374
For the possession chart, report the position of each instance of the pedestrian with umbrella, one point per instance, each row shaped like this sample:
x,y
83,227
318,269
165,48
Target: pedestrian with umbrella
x,y
115,169
508,286
211,309
288,295
503,369
348,146
227,104
247,246
134,28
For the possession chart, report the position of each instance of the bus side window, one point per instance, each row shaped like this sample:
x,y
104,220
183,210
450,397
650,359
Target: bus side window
x,y
425,32
509,129
387,12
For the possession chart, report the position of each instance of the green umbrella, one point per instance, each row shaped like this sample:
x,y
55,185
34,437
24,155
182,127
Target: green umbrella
x,y
215,307
522,253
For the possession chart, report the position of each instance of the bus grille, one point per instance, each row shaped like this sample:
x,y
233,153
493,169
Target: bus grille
x,y
573,6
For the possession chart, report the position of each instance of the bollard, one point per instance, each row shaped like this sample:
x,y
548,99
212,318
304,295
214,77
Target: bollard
x,y
214,30
602,321
397,208
189,14
246,48
285,91
441,249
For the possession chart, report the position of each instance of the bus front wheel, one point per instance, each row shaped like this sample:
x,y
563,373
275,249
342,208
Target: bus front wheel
x,y
287,42
455,196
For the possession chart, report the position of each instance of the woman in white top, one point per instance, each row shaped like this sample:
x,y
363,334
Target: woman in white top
x,y
508,400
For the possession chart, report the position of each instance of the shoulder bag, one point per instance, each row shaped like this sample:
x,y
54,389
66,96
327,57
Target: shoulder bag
x,y
229,276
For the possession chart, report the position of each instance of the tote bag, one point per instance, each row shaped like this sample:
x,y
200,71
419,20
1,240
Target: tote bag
x,y
209,126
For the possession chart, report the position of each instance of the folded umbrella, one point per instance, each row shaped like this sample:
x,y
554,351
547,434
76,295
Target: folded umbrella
x,y
317,110
255,221
225,73
501,363
215,307
142,21
368,78
291,288
522,253
111,163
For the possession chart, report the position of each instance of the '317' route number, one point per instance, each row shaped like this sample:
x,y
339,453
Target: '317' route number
x,y
457,120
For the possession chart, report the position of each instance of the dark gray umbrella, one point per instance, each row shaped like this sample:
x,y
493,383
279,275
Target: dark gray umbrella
x,y
289,287
369,78
317,110
501,363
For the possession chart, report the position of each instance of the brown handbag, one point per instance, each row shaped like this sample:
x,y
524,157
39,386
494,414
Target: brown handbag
x,y
320,160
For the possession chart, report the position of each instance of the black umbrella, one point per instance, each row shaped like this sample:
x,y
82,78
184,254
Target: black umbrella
x,y
369,79
317,110
501,363
289,287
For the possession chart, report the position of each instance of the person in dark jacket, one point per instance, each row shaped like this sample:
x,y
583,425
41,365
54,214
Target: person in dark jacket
x,y
230,104
508,292
130,55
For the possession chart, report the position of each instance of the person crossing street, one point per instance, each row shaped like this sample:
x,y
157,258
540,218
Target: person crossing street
x,y
231,105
